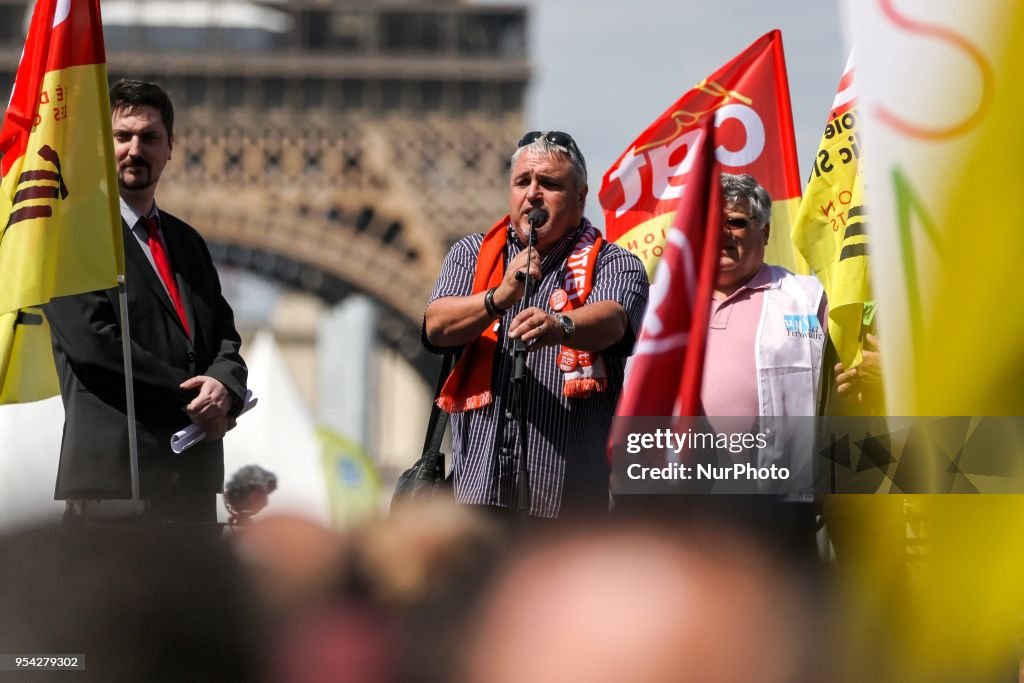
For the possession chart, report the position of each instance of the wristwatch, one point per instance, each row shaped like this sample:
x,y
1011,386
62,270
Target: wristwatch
x,y
567,325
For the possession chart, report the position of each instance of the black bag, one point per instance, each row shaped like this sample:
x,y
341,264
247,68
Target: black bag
x,y
426,477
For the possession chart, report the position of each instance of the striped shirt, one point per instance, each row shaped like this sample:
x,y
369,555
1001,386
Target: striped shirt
x,y
567,438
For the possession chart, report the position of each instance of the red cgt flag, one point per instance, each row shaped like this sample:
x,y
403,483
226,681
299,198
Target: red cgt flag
x,y
743,125
746,105
668,360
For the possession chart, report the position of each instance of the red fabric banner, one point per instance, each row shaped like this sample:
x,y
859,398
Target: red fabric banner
x,y
746,104
668,360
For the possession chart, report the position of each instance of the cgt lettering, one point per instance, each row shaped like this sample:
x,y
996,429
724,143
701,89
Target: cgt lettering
x,y
667,179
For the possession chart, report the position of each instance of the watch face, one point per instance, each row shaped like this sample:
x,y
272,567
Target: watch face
x,y
568,326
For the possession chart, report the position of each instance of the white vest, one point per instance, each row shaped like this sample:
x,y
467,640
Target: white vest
x,y
789,349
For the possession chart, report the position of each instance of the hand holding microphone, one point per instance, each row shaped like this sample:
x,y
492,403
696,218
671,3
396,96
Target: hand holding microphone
x,y
513,286
537,217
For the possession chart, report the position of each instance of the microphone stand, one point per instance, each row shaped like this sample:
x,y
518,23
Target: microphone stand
x,y
519,376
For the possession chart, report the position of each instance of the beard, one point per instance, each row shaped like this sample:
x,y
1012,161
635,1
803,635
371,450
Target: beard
x,y
141,176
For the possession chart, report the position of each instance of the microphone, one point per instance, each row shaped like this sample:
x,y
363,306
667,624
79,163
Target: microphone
x,y
537,217
248,492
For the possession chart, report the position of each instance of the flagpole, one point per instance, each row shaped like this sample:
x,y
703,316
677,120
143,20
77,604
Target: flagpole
x,y
129,388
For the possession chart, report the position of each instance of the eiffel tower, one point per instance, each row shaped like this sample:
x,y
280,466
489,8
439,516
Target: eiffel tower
x,y
334,146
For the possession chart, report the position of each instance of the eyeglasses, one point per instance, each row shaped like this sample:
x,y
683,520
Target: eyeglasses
x,y
556,138
737,223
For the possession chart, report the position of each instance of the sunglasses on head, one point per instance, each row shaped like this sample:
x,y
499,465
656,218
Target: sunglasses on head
x,y
556,138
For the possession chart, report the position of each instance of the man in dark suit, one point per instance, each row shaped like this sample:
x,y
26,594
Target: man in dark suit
x,y
184,346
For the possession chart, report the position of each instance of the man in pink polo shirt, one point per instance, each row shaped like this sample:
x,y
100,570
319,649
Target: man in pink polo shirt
x,y
763,360
766,322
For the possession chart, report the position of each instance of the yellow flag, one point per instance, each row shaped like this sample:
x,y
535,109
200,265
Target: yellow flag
x,y
353,483
969,336
59,218
831,226
26,335
941,101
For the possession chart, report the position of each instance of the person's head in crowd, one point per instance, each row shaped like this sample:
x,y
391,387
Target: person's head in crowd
x,y
426,546
294,562
380,603
548,172
746,224
634,605
326,623
429,562
141,604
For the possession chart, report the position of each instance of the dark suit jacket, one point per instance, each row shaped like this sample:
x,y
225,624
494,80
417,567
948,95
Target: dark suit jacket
x,y
86,329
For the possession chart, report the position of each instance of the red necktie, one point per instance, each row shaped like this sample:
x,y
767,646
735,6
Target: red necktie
x,y
163,266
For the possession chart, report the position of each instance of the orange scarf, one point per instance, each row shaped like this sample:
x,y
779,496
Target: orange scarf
x,y
468,387
584,372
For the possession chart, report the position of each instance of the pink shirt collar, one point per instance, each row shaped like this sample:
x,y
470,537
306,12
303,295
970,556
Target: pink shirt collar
x,y
762,280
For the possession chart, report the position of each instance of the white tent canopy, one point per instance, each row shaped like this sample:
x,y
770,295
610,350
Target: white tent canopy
x,y
278,435
29,449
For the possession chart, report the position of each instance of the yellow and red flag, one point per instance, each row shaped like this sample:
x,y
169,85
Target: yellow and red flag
x,y
59,218
746,102
831,229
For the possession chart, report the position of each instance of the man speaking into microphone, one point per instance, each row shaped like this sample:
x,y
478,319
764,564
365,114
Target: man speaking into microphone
x,y
585,306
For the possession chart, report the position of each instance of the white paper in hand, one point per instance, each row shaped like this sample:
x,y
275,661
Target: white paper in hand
x,y
193,434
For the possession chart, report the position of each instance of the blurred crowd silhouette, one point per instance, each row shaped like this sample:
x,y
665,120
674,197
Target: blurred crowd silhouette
x,y
435,592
